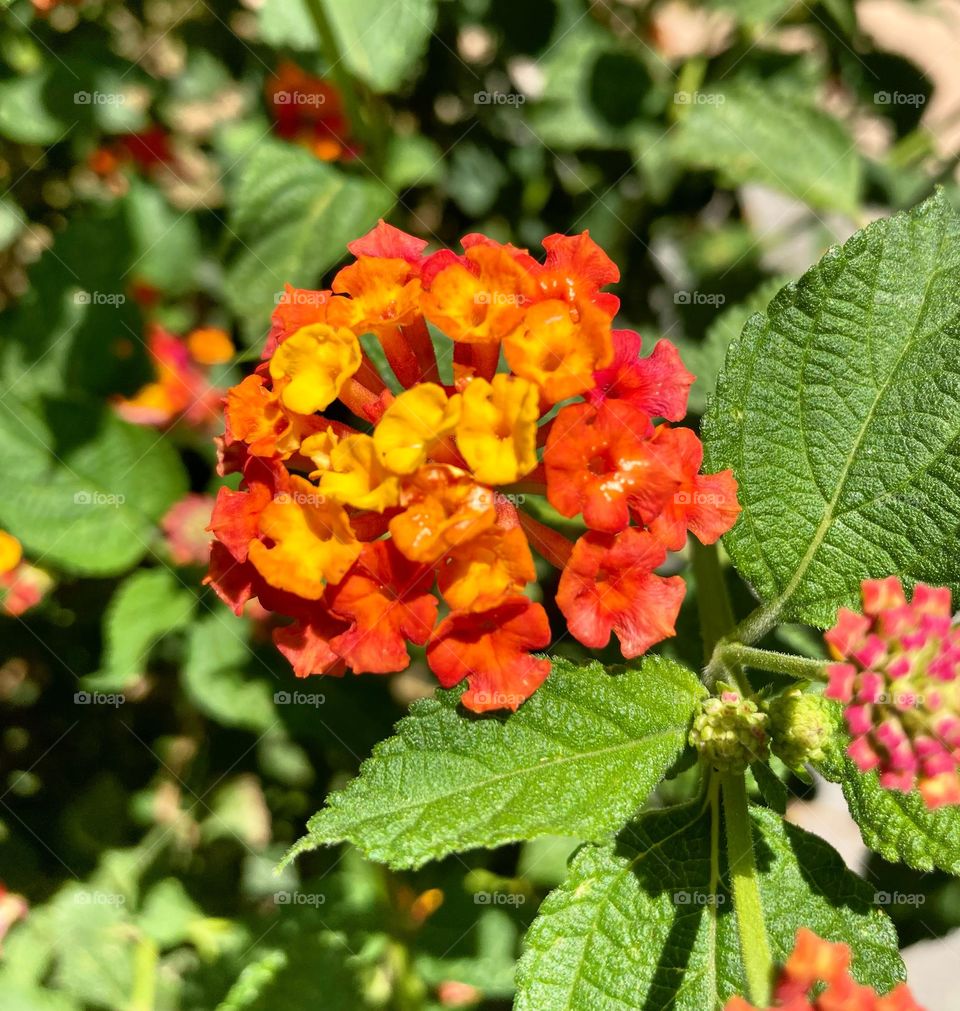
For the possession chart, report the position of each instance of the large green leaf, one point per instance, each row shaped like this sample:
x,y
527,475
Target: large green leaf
x,y
292,217
648,922
149,604
579,757
771,132
898,826
839,412
83,489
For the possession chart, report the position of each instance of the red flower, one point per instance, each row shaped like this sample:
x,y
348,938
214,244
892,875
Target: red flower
x,y
598,460
658,385
388,602
609,585
491,650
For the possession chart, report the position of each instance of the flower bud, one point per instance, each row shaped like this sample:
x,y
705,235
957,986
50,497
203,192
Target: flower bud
x,y
730,732
800,726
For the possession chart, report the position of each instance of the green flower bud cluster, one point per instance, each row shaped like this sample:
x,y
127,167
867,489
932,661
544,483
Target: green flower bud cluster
x,y
800,726
730,732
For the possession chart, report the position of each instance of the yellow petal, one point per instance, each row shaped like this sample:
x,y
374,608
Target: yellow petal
x,y
313,364
10,552
497,433
356,477
413,424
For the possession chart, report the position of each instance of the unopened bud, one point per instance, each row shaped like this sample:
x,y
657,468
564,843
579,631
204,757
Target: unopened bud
x,y
800,726
730,732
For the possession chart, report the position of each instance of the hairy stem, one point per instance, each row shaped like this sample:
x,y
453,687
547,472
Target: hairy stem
x,y
716,616
800,667
754,945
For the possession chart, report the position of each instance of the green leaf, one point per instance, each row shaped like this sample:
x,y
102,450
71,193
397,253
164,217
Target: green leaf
x,y
381,44
148,605
705,360
838,412
647,921
578,758
166,242
83,490
292,217
216,677
898,826
771,132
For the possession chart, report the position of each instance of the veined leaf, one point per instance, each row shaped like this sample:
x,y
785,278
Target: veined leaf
x,y
898,826
772,133
648,922
839,412
579,758
83,489
293,217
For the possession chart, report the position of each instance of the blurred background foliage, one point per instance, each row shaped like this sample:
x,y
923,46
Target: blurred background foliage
x,y
158,757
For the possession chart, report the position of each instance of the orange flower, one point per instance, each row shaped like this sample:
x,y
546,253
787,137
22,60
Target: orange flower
x,y
479,298
491,650
494,565
256,416
559,347
312,542
10,552
383,294
444,508
609,586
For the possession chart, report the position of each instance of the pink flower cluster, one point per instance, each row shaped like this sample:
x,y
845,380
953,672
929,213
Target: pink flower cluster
x,y
898,675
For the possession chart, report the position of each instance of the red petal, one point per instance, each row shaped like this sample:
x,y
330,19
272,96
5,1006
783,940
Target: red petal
x,y
609,585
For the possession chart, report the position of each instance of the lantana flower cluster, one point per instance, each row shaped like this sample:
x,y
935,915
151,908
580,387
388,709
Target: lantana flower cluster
x,y
898,677
360,510
816,977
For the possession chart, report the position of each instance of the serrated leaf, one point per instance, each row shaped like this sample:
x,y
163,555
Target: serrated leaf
x,y
772,132
898,826
579,757
648,922
705,360
148,605
838,412
166,242
292,217
83,489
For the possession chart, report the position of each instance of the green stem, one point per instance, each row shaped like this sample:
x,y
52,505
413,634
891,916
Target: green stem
x,y
799,667
360,124
145,960
713,601
754,945
755,626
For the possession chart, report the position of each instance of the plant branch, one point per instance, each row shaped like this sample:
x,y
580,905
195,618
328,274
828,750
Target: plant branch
x,y
754,944
800,667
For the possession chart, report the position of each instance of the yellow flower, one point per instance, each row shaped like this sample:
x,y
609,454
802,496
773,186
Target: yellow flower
x,y
313,364
357,477
417,420
10,552
318,448
497,433
313,543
